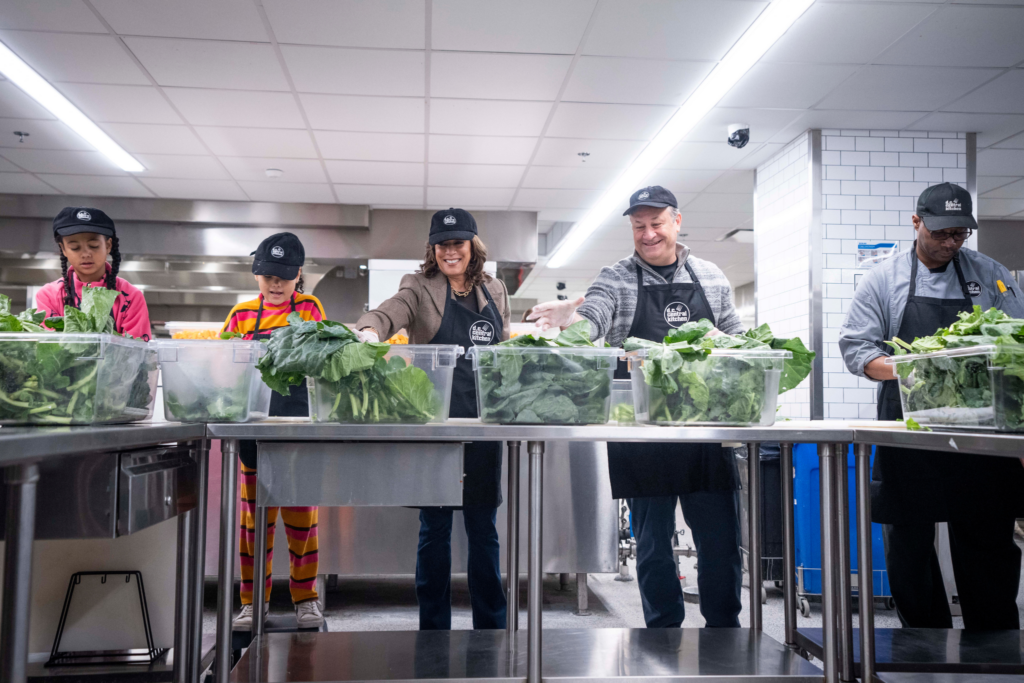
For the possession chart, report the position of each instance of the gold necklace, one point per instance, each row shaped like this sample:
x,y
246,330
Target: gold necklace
x,y
463,294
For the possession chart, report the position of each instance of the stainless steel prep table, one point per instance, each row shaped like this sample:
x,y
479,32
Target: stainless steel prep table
x,y
761,658
22,450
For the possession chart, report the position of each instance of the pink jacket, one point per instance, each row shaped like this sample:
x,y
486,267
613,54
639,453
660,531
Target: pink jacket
x,y
131,315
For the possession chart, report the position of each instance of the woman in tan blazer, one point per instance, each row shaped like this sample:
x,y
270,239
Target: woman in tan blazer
x,y
452,301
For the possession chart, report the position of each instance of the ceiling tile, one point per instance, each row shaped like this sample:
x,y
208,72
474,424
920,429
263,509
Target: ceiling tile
x,y
734,203
41,135
223,19
237,108
1016,142
269,191
471,149
548,26
905,88
488,117
379,194
54,15
97,186
157,139
469,196
75,57
375,172
705,156
602,153
16,104
580,177
571,215
347,71
991,128
372,114
181,166
350,23
497,76
1004,95
48,161
209,63
295,170
23,183
990,162
679,181
840,118
475,175
120,103
609,121
759,155
764,123
258,142
713,219
963,36
792,86
670,29
733,182
175,188
830,33
556,199
6,166
1011,191
370,146
637,81
999,207
985,183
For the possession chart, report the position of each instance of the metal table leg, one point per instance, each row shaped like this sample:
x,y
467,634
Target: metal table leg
x,y
512,544
259,571
183,598
865,575
202,456
17,599
536,563
754,531
826,456
226,564
788,543
582,598
843,566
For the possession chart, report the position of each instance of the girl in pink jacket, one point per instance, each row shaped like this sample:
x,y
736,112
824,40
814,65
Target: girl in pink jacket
x,y
86,237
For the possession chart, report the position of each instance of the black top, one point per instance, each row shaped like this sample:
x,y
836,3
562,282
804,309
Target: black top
x,y
468,302
668,272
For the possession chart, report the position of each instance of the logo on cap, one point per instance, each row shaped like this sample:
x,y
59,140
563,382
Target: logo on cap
x,y
677,313
974,288
953,205
84,216
643,195
277,252
481,333
449,220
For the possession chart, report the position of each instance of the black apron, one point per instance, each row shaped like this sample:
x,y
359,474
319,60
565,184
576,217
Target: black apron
x,y
668,469
913,486
481,483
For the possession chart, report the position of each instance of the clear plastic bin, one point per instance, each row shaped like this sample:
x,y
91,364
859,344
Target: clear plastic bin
x,y
213,381
417,389
975,387
542,385
622,410
730,387
75,379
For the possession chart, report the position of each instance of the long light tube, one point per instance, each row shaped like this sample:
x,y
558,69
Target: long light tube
x,y
774,21
39,89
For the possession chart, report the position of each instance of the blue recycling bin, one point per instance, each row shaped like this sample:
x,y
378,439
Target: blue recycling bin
x,y
807,523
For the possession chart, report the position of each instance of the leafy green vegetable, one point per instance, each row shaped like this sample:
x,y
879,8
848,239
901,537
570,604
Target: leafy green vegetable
x,y
913,426
518,384
689,384
354,382
226,334
623,413
212,405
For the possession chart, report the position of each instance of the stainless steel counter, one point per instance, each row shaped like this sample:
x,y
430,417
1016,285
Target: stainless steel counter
x,y
31,444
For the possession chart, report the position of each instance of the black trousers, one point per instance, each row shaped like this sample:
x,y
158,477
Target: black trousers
x,y
986,565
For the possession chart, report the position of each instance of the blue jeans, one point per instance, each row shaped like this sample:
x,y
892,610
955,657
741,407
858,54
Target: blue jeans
x,y
713,518
434,569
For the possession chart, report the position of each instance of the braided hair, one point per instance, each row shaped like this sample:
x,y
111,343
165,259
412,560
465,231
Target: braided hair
x,y
110,282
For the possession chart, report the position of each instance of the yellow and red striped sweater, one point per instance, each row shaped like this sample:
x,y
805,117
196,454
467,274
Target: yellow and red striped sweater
x,y
242,318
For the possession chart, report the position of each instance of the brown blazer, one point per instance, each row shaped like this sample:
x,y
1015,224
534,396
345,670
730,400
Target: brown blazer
x,y
418,307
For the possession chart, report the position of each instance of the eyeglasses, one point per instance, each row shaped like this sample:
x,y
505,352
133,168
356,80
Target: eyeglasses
x,y
958,236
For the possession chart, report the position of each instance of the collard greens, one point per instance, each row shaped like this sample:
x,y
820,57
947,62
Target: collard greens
x,y
518,384
688,384
354,377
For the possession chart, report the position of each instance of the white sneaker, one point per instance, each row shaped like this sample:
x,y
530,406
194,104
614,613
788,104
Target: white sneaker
x,y
243,622
308,614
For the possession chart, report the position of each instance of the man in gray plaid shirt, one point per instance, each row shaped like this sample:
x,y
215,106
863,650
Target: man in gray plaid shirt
x,y
660,287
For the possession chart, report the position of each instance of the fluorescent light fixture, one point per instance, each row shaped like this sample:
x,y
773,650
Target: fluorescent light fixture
x,y
38,88
774,21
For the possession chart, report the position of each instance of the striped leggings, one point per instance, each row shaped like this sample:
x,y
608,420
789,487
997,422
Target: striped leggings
x,y
300,525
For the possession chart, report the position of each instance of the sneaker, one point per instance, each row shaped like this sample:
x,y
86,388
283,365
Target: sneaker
x,y
308,614
243,622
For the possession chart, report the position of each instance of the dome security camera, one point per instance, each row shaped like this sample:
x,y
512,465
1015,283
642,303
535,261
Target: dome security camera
x,y
739,135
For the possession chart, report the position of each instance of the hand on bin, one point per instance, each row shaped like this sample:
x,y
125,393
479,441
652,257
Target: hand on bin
x,y
367,334
555,313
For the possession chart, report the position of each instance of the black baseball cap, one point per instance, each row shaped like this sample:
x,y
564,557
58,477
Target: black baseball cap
x,y
452,224
655,195
279,255
946,206
75,219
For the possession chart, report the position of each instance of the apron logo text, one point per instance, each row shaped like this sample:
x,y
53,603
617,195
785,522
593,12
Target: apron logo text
x,y
481,333
974,288
677,313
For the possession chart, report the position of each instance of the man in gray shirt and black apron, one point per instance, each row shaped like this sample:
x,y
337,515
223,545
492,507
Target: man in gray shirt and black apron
x,y
913,295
